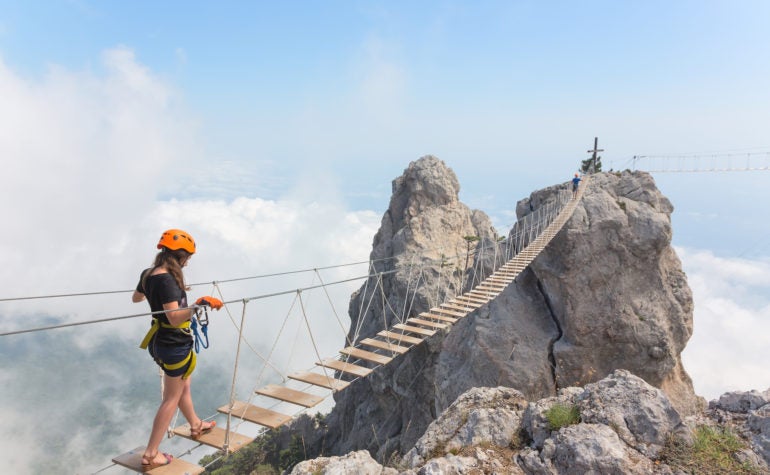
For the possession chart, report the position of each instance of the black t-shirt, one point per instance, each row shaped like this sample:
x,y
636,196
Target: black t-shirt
x,y
160,289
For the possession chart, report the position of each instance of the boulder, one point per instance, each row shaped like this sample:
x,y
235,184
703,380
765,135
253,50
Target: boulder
x,y
480,416
360,463
741,401
640,414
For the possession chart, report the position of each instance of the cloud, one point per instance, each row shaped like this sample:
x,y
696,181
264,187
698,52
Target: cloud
x,y
85,155
88,155
727,351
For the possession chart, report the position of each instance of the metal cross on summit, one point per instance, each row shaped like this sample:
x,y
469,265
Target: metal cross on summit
x,y
593,165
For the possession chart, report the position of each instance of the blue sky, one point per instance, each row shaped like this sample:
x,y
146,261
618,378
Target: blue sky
x,y
510,94
272,131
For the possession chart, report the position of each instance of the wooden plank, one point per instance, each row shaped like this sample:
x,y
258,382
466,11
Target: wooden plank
x,y
483,293
255,414
385,345
365,355
289,395
489,289
345,367
460,306
444,311
472,299
508,269
215,438
132,460
399,337
488,283
440,318
515,267
321,380
486,293
419,331
491,286
427,323
501,280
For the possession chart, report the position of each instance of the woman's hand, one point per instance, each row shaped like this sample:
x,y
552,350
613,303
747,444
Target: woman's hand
x,y
212,302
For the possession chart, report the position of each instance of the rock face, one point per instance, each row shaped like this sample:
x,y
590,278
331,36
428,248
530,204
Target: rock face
x,y
622,426
420,237
616,289
607,293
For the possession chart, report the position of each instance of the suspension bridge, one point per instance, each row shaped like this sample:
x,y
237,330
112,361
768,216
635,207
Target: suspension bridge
x,y
270,406
703,162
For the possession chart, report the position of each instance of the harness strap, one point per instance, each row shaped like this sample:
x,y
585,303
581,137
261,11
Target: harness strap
x,y
190,356
156,324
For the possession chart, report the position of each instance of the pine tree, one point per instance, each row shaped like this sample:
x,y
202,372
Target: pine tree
x,y
588,165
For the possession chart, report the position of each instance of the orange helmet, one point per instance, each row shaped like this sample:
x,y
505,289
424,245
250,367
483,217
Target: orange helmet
x,y
174,239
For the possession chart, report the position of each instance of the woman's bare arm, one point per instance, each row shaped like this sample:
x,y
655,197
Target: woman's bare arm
x,y
175,314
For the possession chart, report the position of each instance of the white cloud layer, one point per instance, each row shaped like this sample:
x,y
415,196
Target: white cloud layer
x,y
729,347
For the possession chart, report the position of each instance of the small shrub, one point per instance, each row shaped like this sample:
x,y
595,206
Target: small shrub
x,y
712,452
562,415
622,205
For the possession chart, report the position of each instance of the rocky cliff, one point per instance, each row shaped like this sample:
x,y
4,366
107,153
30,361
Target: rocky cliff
x,y
618,425
607,293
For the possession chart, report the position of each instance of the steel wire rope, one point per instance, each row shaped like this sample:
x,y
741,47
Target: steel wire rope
x,y
408,284
196,284
438,282
414,292
124,317
246,341
312,339
387,302
298,329
262,370
334,310
360,322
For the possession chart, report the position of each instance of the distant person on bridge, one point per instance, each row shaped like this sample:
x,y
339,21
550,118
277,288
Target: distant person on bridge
x,y
575,184
169,340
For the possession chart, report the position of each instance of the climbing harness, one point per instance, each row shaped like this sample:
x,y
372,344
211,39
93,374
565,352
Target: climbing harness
x,y
157,324
191,357
203,321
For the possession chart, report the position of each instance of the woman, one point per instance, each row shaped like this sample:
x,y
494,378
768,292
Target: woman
x,y
169,340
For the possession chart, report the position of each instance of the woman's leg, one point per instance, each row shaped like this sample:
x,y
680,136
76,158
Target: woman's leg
x,y
173,388
186,405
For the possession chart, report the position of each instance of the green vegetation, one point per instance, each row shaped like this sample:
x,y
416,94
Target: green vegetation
x,y
713,451
562,415
590,165
293,454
